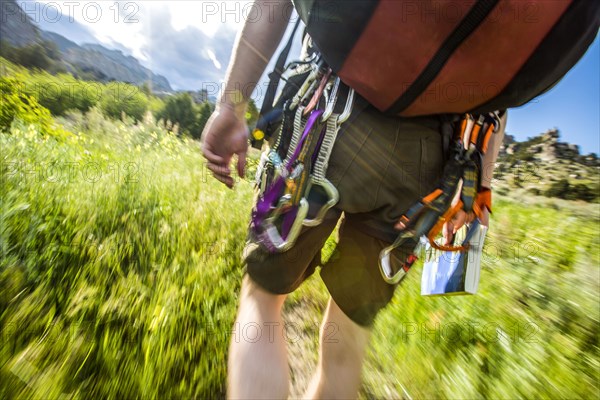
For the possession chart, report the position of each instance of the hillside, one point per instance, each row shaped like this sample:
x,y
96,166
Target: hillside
x,y
543,161
17,28
91,61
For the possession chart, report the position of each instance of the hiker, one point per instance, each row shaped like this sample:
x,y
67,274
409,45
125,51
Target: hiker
x,y
380,164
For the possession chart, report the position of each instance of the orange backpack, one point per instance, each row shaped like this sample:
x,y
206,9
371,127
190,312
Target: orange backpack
x,y
422,57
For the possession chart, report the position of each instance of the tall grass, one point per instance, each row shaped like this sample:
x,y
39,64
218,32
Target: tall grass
x,y
119,261
120,270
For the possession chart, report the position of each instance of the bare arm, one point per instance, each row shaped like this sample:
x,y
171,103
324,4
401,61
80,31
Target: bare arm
x,y
226,132
489,160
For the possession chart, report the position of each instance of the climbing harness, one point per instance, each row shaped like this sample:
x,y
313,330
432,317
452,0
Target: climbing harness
x,y
461,179
295,167
292,172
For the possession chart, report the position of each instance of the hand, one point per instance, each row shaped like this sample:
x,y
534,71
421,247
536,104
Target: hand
x,y
225,134
460,218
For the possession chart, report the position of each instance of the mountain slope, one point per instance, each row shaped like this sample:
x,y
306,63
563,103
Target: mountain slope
x,y
543,161
17,28
115,65
93,60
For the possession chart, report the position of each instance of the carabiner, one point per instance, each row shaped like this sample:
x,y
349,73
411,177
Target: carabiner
x,y
331,101
332,194
276,241
269,168
385,264
306,87
348,109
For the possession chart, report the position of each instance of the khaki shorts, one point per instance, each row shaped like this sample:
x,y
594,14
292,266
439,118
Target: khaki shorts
x,y
381,166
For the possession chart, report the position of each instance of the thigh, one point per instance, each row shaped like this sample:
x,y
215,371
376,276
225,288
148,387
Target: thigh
x,y
352,275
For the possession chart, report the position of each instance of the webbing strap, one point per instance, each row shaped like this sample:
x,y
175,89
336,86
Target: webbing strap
x,y
273,193
296,135
334,122
322,162
274,78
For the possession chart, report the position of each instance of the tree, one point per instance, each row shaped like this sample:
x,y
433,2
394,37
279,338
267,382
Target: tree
x,y
583,192
119,98
562,189
34,56
203,115
145,88
180,109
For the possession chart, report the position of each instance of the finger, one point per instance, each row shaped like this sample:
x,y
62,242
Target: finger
x,y
241,164
227,180
447,233
221,173
219,169
459,220
470,217
399,225
212,157
485,219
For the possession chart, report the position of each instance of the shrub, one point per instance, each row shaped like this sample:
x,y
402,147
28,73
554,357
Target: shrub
x,y
39,56
558,189
63,92
206,110
18,105
180,109
564,190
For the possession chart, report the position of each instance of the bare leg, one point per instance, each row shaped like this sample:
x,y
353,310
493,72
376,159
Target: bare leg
x,y
342,350
258,366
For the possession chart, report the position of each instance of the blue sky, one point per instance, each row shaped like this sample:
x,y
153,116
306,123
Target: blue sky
x,y
572,106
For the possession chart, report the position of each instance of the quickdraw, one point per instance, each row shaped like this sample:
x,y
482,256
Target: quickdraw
x,y
461,179
295,167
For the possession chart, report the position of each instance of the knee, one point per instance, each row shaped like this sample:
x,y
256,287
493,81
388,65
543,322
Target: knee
x,y
341,338
258,301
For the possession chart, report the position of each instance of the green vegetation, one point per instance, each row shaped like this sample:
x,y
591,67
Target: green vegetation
x,y
16,105
43,56
531,331
108,255
564,190
182,110
61,93
120,269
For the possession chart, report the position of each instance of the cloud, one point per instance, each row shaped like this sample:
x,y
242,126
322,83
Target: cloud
x,y
189,58
180,40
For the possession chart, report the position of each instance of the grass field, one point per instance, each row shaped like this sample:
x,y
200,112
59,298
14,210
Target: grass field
x,y
120,271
